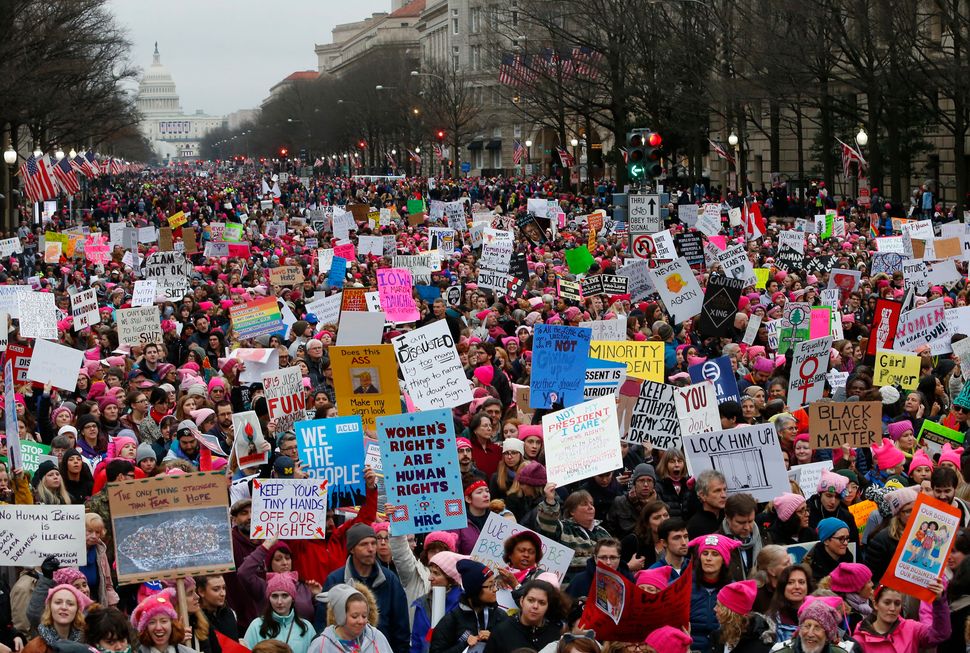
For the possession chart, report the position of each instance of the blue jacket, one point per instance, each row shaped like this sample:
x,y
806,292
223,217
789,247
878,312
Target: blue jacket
x,y
703,598
421,628
392,603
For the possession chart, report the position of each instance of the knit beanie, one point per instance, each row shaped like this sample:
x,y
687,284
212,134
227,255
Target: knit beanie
x,y
473,576
950,455
281,582
669,640
831,482
447,538
83,601
644,469
849,577
738,597
358,533
144,452
659,577
899,499
532,474
529,431
896,429
817,609
67,575
887,455
447,561
513,444
786,504
337,597
920,459
43,470
485,374
722,544
150,607
829,527
849,474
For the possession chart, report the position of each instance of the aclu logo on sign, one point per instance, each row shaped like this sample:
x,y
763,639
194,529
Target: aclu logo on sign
x,y
346,428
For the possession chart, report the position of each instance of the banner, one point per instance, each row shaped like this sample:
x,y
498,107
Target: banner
x,y
365,381
285,398
681,294
419,460
934,435
893,368
432,370
171,526
720,305
289,509
809,365
139,326
489,549
719,372
582,441
654,418
697,408
834,423
924,547
332,450
925,325
259,317
29,534
559,356
395,287
287,275
643,360
748,456
603,378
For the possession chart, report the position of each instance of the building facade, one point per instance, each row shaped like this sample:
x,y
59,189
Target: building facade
x,y
173,134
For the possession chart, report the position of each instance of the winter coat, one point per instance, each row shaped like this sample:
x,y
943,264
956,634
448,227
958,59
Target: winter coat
x,y
879,553
371,641
703,598
513,634
581,582
252,575
821,563
392,604
907,635
459,624
795,646
413,575
678,503
421,625
290,633
758,638
623,515
817,513
568,533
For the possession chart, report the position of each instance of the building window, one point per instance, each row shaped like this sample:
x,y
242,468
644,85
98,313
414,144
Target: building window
x,y
496,159
516,131
476,59
455,57
497,132
476,20
454,22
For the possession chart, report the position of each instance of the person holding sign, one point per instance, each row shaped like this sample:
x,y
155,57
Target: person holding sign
x,y
275,557
885,631
279,619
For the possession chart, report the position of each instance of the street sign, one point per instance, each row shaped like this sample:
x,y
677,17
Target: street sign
x,y
466,167
645,214
642,246
864,199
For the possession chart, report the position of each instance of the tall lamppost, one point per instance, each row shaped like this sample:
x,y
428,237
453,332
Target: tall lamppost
x,y
861,139
528,153
9,160
735,142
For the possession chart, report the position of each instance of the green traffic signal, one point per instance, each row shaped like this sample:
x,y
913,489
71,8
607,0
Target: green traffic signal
x,y
637,171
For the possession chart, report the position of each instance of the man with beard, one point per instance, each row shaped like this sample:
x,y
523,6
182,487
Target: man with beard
x,y
223,427
239,601
818,629
466,465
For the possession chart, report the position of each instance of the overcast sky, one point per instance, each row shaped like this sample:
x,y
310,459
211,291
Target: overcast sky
x,y
225,54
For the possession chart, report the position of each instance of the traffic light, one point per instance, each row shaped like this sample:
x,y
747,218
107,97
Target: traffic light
x,y
283,151
636,156
361,144
440,135
303,156
654,154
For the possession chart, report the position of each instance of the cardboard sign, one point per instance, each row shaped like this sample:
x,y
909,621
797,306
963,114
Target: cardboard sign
x,y
366,383
259,317
168,527
288,508
696,407
643,360
893,368
885,323
139,326
287,275
834,423
719,372
84,309
190,241
654,420
559,356
29,534
748,456
419,460
681,294
395,287
432,369
489,549
38,315
582,441
720,305
55,364
922,551
809,365
285,398
332,449
603,378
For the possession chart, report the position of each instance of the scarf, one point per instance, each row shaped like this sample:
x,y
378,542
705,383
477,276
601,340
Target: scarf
x,y
858,604
748,547
50,636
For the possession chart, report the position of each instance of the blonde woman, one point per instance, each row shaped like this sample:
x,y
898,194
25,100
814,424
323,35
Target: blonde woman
x,y
740,629
49,488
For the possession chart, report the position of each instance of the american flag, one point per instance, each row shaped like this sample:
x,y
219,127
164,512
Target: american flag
x,y
115,166
557,63
390,159
37,179
507,70
518,151
626,154
66,176
318,163
754,222
529,68
414,156
850,154
565,157
437,152
80,164
720,150
93,163
586,61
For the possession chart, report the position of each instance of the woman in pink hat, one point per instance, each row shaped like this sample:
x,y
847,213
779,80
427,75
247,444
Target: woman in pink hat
x,y
158,625
741,630
62,619
712,556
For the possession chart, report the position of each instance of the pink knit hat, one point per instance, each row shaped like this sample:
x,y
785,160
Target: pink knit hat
x,y
832,482
659,577
82,601
485,374
669,640
281,582
530,430
738,597
887,456
920,459
899,499
786,504
450,540
151,607
849,577
950,455
448,562
67,575
720,543
896,429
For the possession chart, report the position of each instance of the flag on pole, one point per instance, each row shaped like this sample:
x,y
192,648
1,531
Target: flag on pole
x,y
93,163
720,150
518,151
66,176
850,154
37,179
437,152
754,224
414,156
507,69
626,154
390,159
318,163
565,157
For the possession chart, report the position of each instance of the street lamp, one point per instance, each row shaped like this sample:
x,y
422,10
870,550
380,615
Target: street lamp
x,y
735,142
59,154
38,153
379,87
10,156
72,153
415,73
862,138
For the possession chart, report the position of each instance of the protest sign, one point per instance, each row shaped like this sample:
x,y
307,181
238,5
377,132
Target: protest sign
x,y
925,325
250,447
885,323
146,290
638,281
934,435
432,370
338,272
681,294
285,398
748,456
55,364
324,260
807,476
9,246
606,329
395,287
860,513
736,265
696,407
287,275
582,441
559,356
84,309
603,378
360,328
289,508
32,455
809,365
924,547
619,611
29,534
797,552
789,259
654,420
893,368
497,250
720,305
139,326
19,357
353,299
489,549
643,360
327,309
720,372
834,423
170,270
751,331
332,449
365,381
171,526
420,465
259,317
257,362
571,291
38,315
691,247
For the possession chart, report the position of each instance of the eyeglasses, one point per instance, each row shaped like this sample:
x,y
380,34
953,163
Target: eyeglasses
x,y
843,539
608,558
510,453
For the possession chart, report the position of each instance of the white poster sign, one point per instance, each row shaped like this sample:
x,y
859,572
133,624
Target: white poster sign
x,y
84,309
749,457
582,441
145,292
432,370
138,326
32,533
289,508
55,364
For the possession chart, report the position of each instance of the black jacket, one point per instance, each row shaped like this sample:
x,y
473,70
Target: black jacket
x,y
224,620
816,514
678,504
454,629
879,553
758,638
581,582
511,635
822,563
